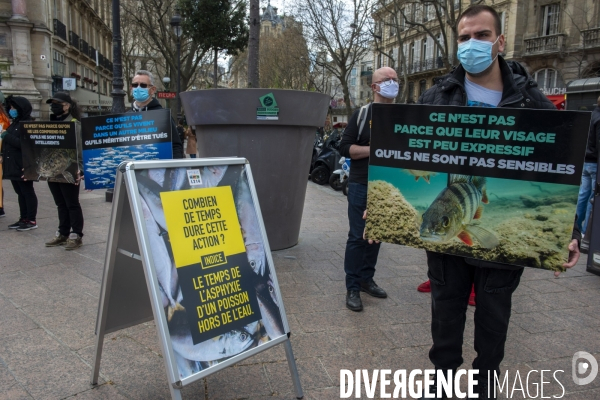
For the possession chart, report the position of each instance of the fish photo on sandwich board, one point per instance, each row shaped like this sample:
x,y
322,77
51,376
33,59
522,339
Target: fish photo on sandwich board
x,y
217,287
49,151
495,184
111,139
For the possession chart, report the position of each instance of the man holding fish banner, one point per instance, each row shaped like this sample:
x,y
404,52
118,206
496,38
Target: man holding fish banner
x,y
482,79
360,257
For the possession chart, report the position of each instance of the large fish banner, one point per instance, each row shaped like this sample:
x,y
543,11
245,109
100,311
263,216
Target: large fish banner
x,y
494,184
49,151
109,140
216,285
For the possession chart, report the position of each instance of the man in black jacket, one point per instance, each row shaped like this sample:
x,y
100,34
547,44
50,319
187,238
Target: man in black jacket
x,y
360,257
143,93
482,79
590,167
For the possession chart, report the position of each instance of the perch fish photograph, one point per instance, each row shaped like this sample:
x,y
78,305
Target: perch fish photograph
x,y
507,221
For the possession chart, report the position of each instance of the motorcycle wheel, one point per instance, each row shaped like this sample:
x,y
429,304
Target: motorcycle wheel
x,y
320,175
334,182
345,187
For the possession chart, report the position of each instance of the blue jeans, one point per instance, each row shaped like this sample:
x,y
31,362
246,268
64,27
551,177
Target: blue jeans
x,y
360,257
451,280
588,183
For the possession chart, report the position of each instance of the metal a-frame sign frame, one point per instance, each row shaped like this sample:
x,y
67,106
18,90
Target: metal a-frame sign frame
x,y
131,293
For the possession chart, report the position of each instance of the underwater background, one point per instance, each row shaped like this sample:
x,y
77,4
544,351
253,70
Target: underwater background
x,y
533,221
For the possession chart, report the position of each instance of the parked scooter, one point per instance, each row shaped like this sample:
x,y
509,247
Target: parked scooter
x,y
327,160
339,178
317,148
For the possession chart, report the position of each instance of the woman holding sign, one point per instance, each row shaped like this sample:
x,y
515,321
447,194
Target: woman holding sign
x,y
12,163
66,195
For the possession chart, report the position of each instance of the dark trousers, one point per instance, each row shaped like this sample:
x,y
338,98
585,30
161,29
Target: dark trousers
x,y
451,280
360,257
28,201
70,215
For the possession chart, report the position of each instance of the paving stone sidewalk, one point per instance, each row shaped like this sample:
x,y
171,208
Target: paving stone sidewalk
x,y
49,300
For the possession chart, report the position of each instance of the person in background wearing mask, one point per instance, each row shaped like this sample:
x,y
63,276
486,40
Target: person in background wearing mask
x,y
12,163
483,79
361,257
66,195
4,124
191,147
143,91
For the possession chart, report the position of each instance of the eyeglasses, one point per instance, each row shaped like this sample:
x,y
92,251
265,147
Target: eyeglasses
x,y
386,81
142,85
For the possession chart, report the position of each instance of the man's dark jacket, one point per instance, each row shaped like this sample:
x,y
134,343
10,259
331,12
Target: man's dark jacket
x,y
12,158
520,91
176,141
591,151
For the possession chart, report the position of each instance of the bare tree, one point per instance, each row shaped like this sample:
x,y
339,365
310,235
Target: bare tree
x,y
283,60
253,45
583,19
156,38
340,28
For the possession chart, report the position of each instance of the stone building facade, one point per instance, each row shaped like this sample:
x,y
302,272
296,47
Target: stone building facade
x,y
556,40
45,44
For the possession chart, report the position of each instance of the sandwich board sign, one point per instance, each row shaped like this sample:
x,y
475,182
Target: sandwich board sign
x,y
187,248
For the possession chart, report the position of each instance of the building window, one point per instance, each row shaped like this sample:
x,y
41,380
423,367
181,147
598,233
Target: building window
x,y
422,86
550,19
548,79
58,64
411,92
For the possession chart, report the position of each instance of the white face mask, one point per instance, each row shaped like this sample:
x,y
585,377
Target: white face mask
x,y
388,89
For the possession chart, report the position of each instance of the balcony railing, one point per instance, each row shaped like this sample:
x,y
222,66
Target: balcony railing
x,y
74,39
92,53
101,60
60,30
591,38
85,49
545,44
428,64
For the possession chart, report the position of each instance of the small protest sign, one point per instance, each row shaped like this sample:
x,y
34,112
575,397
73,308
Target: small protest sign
x,y
495,184
109,140
49,151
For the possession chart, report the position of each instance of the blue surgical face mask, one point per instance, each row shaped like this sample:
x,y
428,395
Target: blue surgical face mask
x,y
476,55
13,113
389,89
140,94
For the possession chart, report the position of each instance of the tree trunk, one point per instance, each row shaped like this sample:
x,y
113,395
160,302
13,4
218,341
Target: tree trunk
x,y
216,71
253,45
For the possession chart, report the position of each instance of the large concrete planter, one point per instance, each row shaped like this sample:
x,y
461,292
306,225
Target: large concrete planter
x,y
279,151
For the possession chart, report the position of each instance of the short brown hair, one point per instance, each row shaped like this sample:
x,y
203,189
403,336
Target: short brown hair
x,y
478,9
598,101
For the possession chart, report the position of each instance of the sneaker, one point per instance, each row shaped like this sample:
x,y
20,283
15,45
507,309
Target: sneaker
x,y
73,242
27,226
3,214
425,287
57,240
16,224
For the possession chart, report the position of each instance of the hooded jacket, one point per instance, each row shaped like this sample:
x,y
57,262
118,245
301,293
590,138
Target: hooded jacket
x,y
591,152
12,158
520,91
176,141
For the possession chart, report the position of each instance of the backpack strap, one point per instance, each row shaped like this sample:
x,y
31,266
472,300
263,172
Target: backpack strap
x,y
362,118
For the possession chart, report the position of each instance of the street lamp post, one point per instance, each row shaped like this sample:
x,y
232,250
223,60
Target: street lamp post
x,y
166,81
176,24
117,93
